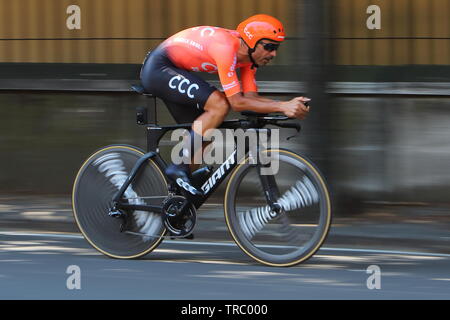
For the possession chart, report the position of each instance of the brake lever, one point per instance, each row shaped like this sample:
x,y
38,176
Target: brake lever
x,y
296,126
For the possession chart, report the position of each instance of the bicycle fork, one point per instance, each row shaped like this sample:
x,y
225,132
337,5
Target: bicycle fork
x,y
271,191
268,182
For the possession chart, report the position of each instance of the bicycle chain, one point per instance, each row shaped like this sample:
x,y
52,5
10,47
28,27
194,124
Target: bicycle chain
x,y
172,236
159,237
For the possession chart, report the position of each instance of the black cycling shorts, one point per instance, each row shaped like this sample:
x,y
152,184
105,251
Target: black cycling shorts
x,y
184,93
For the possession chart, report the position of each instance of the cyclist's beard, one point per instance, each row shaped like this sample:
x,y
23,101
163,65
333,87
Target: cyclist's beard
x,y
250,52
268,60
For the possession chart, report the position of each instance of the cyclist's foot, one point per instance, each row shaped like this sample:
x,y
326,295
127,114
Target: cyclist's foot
x,y
175,171
199,175
181,174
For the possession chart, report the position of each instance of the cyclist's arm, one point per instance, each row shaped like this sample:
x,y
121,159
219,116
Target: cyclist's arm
x,y
294,108
249,86
226,62
226,59
248,79
255,95
250,101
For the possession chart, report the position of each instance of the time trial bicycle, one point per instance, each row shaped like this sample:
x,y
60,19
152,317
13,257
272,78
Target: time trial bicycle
x,y
124,205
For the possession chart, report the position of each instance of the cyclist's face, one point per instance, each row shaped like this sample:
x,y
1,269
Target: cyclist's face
x,y
265,51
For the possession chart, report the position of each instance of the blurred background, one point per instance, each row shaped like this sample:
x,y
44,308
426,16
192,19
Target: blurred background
x,y
378,128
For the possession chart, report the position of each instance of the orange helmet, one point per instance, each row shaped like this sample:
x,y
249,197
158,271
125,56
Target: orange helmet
x,y
261,26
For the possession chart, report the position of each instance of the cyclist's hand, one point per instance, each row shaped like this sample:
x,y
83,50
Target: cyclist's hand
x,y
296,108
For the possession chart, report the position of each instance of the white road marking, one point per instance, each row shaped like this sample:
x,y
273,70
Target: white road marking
x,y
232,244
32,234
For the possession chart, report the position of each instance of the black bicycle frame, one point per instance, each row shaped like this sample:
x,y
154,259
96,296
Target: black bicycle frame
x,y
210,183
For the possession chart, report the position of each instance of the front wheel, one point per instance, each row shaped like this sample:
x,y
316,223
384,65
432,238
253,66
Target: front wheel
x,y
279,218
98,180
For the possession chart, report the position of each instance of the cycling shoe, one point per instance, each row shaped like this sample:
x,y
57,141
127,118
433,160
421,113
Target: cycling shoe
x,y
200,175
181,174
175,171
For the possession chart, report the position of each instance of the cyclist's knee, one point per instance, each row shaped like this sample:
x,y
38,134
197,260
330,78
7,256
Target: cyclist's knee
x,y
217,104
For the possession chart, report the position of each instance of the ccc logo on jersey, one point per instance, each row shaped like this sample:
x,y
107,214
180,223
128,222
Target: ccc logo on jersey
x,y
183,86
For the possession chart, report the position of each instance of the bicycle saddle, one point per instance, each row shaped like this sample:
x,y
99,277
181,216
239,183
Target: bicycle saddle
x,y
140,89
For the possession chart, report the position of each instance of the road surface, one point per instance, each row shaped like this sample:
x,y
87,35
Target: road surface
x,y
65,266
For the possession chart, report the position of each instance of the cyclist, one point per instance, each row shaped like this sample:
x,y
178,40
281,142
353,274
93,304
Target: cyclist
x,y
167,73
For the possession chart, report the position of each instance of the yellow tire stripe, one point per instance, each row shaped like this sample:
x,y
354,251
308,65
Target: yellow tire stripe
x,y
328,201
76,215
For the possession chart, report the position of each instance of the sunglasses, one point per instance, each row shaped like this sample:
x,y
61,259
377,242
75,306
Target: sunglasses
x,y
270,46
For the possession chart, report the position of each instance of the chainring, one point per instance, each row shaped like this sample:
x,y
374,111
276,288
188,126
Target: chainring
x,y
179,216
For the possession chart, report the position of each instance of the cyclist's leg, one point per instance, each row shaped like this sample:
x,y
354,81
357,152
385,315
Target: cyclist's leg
x,y
215,111
184,93
188,97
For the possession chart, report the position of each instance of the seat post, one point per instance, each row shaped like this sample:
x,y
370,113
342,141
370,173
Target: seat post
x,y
153,114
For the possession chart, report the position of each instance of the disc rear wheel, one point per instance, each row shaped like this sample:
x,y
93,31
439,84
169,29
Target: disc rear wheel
x,y
98,180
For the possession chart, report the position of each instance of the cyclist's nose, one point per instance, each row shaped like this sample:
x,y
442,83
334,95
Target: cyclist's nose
x,y
273,53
